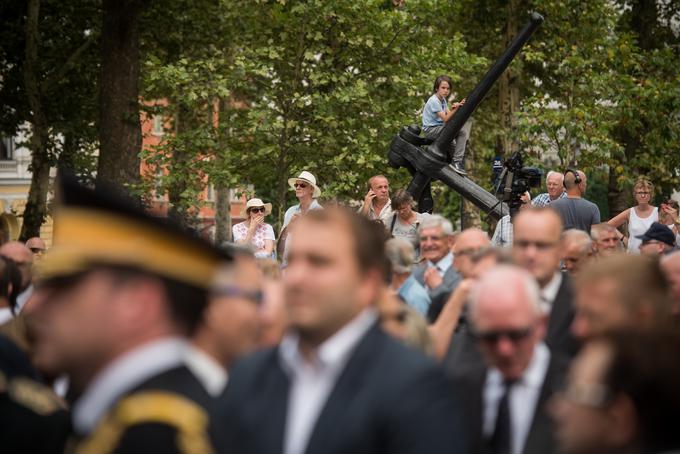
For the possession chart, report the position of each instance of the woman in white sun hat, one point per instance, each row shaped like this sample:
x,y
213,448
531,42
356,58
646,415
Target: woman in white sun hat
x,y
306,191
253,231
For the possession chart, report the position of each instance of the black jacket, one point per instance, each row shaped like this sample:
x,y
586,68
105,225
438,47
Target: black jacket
x,y
388,399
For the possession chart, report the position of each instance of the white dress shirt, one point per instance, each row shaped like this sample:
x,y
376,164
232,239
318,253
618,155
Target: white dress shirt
x,y
522,400
443,265
549,292
125,373
207,370
313,379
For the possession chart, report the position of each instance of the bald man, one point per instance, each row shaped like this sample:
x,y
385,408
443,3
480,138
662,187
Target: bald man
x,y
576,212
505,397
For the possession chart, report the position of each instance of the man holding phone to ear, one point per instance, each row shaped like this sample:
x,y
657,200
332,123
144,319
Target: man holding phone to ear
x,y
377,203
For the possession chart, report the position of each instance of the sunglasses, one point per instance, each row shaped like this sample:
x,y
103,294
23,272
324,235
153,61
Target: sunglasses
x,y
300,185
231,291
513,335
257,210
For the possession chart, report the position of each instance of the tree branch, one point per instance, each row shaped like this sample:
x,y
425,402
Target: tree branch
x,y
70,61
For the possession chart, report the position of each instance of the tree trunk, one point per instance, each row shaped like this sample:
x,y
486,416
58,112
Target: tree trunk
x,y
469,212
643,24
120,133
508,87
36,204
179,210
222,215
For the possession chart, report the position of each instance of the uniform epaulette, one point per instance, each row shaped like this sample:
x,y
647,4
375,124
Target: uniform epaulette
x,y
30,394
152,407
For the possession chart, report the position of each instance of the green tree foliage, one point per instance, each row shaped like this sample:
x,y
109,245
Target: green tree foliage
x,y
315,85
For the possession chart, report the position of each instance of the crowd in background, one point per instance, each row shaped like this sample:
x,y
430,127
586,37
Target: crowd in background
x,y
355,331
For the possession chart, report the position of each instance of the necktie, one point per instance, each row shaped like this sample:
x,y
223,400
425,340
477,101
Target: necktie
x,y
500,441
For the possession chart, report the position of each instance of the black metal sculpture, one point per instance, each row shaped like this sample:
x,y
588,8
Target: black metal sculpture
x,y
426,159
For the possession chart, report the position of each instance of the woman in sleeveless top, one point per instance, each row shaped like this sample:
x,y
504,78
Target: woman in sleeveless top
x,y
641,216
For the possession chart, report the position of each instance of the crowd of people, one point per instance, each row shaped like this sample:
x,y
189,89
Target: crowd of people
x,y
377,330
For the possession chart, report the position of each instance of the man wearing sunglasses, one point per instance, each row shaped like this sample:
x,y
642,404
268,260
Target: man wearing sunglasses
x,y
504,398
307,193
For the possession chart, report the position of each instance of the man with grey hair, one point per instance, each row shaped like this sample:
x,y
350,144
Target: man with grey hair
x,y
402,255
506,395
436,273
554,182
577,247
605,239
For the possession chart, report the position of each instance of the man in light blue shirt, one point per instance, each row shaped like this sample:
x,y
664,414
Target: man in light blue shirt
x,y
436,114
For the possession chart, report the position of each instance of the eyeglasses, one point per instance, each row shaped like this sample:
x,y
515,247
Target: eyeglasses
x,y
230,291
300,185
524,244
513,335
257,210
471,251
36,250
431,238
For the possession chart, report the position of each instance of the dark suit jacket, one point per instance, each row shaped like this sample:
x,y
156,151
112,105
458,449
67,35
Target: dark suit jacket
x,y
469,392
388,399
438,295
558,337
157,424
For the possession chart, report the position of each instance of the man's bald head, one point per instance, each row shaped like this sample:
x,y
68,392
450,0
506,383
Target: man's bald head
x,y
22,256
468,243
570,181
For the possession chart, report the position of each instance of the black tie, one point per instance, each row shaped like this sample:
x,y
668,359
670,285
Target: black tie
x,y
500,441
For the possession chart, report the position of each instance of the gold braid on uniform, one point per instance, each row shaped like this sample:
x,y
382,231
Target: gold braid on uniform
x,y
189,419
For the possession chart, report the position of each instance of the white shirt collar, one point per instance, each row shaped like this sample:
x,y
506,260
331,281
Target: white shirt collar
x,y
123,374
549,292
534,374
209,372
23,297
387,209
334,352
444,264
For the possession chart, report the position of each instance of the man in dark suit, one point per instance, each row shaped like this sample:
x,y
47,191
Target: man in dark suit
x,y
117,297
504,398
337,384
537,248
437,273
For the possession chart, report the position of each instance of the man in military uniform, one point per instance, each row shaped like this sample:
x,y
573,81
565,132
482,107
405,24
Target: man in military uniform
x,y
116,299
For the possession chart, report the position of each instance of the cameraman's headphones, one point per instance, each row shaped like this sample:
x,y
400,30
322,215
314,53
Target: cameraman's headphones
x,y
577,180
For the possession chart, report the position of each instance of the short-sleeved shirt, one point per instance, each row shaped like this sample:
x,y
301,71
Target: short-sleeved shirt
x,y
432,107
577,213
407,231
543,200
262,232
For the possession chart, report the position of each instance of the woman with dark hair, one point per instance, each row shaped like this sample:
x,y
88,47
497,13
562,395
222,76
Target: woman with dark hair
x,y
254,232
404,222
436,114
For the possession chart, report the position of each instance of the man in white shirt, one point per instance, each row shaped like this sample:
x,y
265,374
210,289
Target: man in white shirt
x,y
505,397
377,204
537,248
337,384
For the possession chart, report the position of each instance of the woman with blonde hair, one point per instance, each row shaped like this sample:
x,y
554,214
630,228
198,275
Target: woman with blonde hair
x,y
639,217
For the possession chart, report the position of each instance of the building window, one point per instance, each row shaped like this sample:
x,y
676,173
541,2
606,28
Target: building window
x,y
7,149
157,128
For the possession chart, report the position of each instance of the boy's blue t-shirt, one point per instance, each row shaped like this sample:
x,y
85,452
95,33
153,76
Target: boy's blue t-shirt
x,y
432,106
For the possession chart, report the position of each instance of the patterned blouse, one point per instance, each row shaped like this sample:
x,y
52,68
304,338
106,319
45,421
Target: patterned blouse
x,y
262,233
